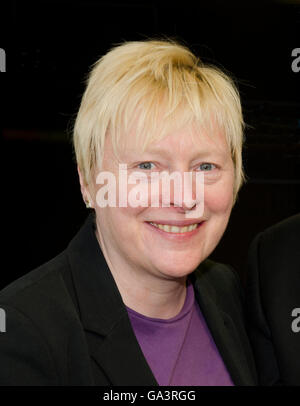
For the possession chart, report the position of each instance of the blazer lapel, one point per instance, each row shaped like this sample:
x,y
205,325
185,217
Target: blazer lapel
x,y
224,333
119,356
109,334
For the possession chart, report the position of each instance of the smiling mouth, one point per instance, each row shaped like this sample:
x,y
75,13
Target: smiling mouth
x,y
168,228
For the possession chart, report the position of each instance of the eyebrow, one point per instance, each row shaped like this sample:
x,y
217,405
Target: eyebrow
x,y
197,155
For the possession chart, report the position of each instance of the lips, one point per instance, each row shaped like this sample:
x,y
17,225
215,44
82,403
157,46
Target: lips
x,y
178,223
168,230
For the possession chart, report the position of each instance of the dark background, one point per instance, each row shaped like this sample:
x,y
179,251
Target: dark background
x,y
50,46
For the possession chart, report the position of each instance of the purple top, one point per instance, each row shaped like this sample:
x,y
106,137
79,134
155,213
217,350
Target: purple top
x,y
180,351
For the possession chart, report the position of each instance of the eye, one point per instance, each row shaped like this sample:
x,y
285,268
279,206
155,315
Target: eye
x,y
206,166
145,165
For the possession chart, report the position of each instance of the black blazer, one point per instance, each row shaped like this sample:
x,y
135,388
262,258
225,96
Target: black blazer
x,y
273,291
66,323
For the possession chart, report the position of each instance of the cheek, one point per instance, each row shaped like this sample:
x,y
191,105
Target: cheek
x,y
218,198
119,220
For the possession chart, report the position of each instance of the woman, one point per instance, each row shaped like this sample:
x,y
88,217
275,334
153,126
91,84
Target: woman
x,y
133,299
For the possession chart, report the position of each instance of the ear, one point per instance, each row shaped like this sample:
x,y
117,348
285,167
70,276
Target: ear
x,y
84,190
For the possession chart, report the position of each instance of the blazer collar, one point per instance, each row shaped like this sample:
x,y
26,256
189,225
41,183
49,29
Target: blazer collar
x,y
104,315
93,280
110,338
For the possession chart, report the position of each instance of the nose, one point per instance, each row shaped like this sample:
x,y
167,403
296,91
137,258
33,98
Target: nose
x,y
186,190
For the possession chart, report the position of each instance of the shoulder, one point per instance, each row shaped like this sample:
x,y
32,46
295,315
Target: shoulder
x,y
275,251
281,238
285,228
42,296
36,280
218,275
221,283
39,319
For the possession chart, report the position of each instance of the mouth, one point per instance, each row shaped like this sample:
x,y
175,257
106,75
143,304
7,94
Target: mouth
x,y
175,231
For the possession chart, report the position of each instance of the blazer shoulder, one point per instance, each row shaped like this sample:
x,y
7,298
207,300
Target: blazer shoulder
x,y
36,279
217,274
274,253
283,236
43,331
221,282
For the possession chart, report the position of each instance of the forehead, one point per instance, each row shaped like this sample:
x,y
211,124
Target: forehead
x,y
188,141
184,142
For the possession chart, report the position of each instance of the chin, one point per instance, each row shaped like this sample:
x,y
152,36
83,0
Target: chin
x,y
177,271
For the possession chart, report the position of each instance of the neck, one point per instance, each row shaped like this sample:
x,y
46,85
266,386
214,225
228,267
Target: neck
x,y
162,300
151,294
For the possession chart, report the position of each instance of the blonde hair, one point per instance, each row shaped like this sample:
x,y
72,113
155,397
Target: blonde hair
x,y
158,85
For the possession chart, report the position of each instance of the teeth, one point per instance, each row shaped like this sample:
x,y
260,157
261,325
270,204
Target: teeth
x,y
175,229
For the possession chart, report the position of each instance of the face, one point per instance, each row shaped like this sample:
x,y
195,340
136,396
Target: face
x,y
125,234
